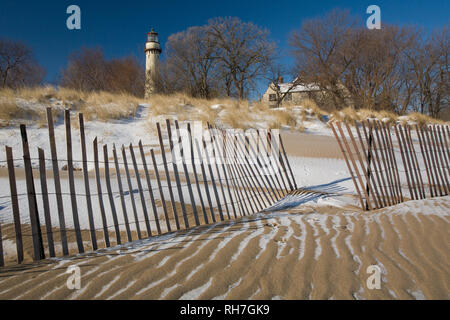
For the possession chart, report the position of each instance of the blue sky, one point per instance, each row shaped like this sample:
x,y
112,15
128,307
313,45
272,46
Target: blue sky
x,y
120,27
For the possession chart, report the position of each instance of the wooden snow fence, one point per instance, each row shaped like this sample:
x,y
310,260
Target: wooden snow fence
x,y
124,193
390,164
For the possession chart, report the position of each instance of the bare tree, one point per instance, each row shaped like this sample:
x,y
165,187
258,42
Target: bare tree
x,y
18,67
190,60
243,50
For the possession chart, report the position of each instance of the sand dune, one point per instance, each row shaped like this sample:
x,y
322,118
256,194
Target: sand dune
x,y
315,252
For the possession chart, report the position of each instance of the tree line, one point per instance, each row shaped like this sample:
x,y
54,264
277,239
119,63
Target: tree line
x,y
394,68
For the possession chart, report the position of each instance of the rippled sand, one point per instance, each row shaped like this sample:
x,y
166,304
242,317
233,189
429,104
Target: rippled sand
x,y
316,252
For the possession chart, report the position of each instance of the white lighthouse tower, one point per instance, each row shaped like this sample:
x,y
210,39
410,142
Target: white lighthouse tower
x,y
152,75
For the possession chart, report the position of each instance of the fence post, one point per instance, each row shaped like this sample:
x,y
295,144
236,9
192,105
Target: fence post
x,y
100,196
58,193
48,220
86,183
38,247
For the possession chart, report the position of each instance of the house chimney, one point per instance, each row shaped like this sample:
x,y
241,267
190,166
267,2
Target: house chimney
x,y
280,79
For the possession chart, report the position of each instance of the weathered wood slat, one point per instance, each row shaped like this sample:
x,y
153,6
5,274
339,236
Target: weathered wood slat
x,y
348,165
110,194
194,169
369,160
56,179
86,184
415,163
131,193
383,153
405,166
355,167
15,203
270,158
45,202
442,144
426,160
100,194
186,175
434,168
233,172
213,181
440,158
205,183
121,196
364,170
141,194
390,161
38,247
287,162
2,260
176,174
279,163
73,196
166,170
219,178
397,177
150,188
161,193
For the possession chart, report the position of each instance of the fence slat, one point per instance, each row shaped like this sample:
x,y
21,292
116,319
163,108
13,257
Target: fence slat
x,y
110,195
44,192
439,157
141,193
231,174
219,178
176,174
275,190
56,179
150,188
405,166
100,195
348,164
194,169
389,160
234,174
279,165
130,192
383,153
267,193
426,160
415,162
161,193
86,183
205,183
397,177
355,167
213,182
287,162
121,196
270,157
73,198
244,181
370,191
186,175
433,161
166,170
369,160
443,147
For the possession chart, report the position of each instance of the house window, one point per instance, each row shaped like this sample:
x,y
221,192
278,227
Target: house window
x,y
288,96
272,97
